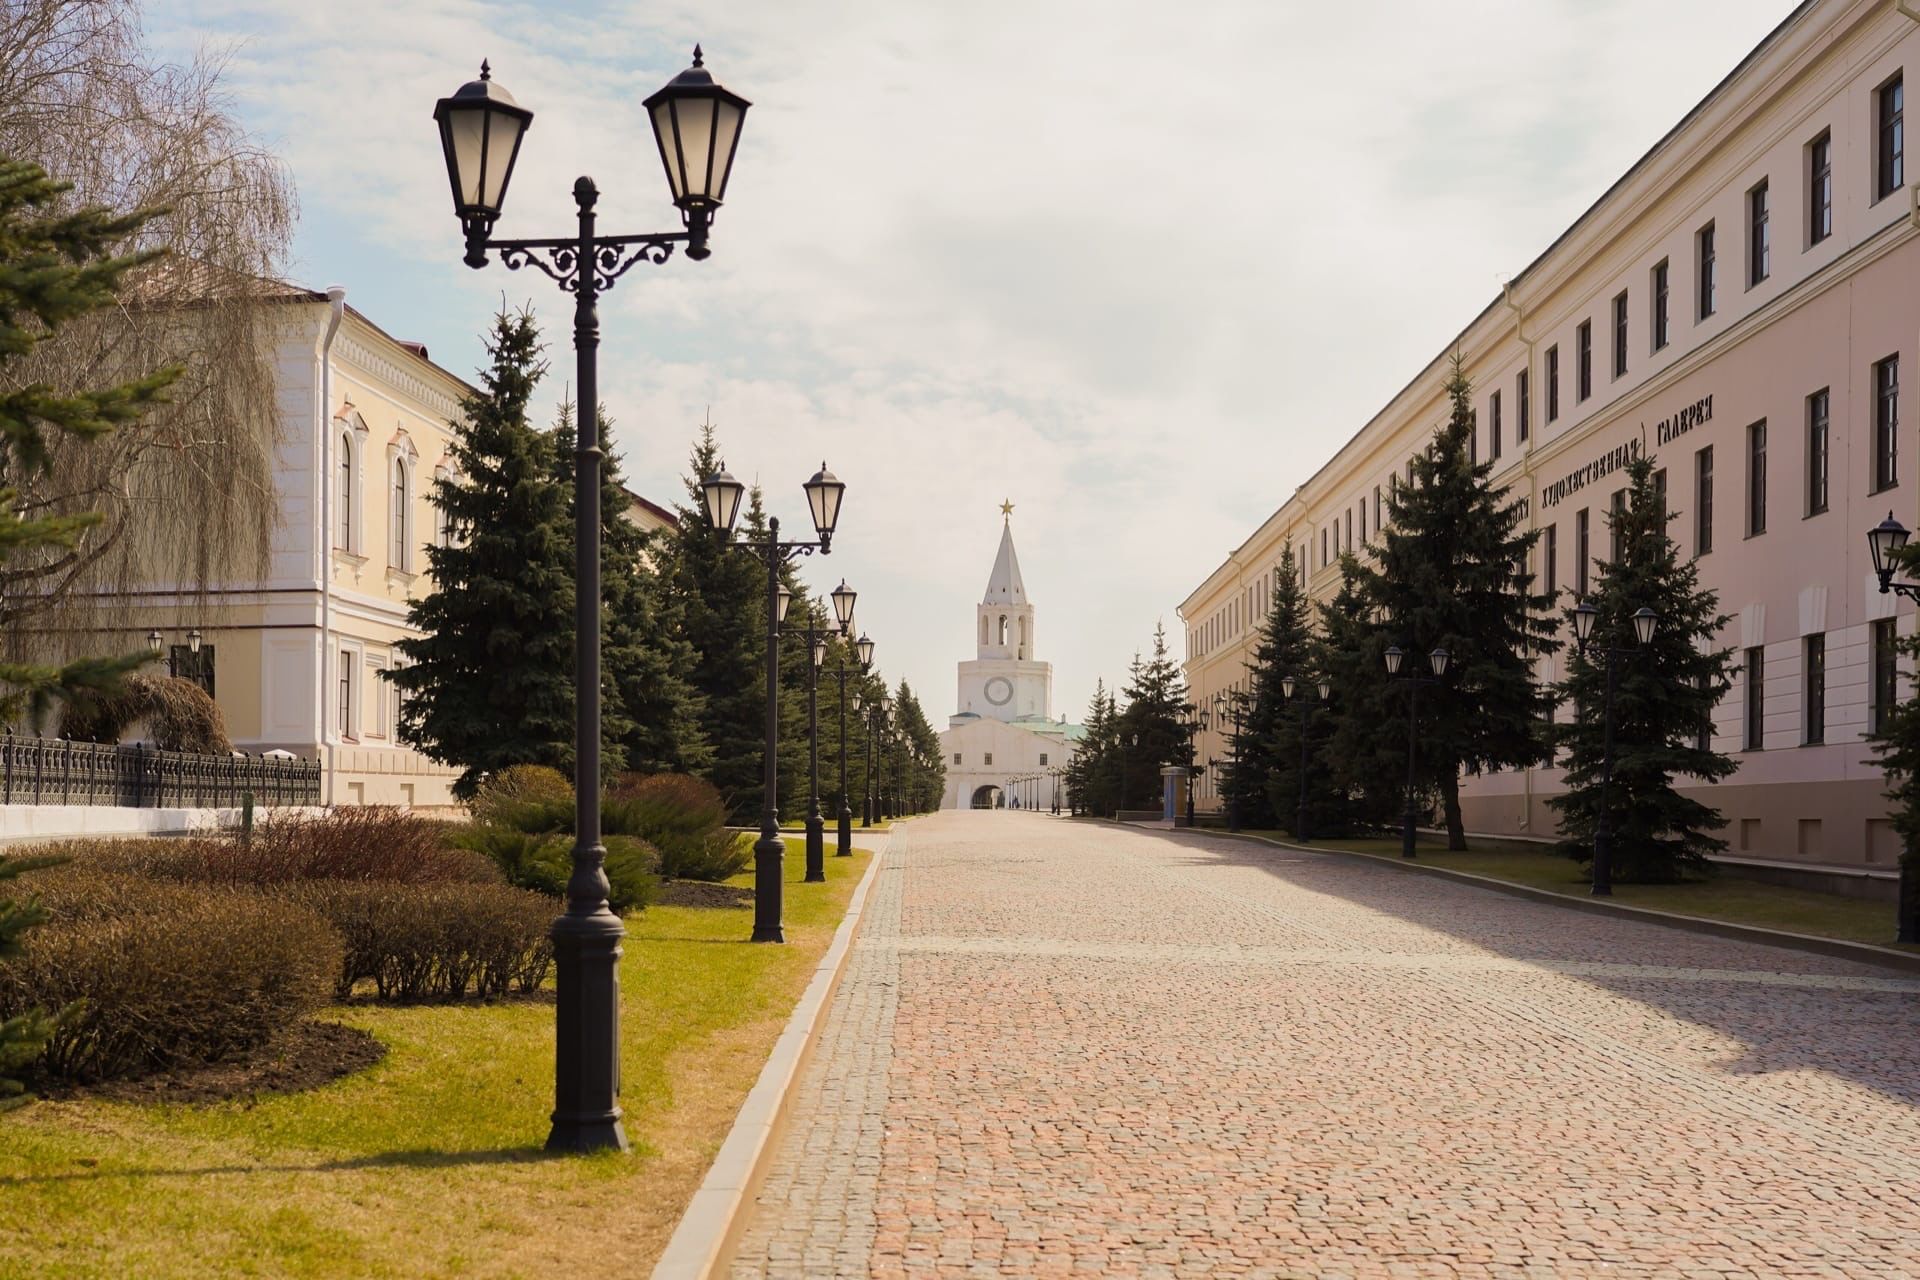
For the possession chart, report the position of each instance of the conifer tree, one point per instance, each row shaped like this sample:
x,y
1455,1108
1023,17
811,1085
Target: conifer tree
x,y
1261,780
1663,693
1896,744
1086,790
1366,744
489,679
718,592
1449,571
23,1035
1153,727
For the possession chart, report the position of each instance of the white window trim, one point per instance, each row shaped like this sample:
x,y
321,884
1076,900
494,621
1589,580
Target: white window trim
x,y
349,658
353,437
399,540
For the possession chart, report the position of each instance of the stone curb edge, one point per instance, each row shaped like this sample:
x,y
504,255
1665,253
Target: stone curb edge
x,y
709,1229
1838,948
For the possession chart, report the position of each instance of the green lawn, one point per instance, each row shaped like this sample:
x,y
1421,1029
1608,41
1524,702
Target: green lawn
x,y
429,1163
1721,898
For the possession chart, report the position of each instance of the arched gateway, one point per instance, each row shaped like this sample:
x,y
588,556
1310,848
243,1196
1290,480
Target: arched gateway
x,y
987,797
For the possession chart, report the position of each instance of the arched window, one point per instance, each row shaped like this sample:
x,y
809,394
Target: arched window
x,y
343,495
1003,630
399,552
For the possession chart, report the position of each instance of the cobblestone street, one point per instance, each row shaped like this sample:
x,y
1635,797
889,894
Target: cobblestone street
x,y
1070,1048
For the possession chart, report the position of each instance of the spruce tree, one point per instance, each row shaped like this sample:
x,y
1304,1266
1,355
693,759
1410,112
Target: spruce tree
x,y
23,1035
1449,571
489,679
1085,790
718,591
1663,693
1153,727
1261,779
1365,748
1896,745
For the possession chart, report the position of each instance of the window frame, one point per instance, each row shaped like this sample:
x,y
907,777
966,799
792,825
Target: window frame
x,y
1755,670
1814,678
1885,448
1493,425
1759,234
1707,285
1582,550
1883,657
1583,361
1703,501
1819,443
1756,478
1820,188
1523,405
1553,384
1552,566
1620,334
1889,136
1661,315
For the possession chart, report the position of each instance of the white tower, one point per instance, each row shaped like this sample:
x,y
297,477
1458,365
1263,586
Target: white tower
x,y
1003,682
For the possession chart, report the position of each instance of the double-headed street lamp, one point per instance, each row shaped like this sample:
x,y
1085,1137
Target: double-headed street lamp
x,y
696,126
1229,714
721,494
817,636
1886,542
863,649
1644,622
1437,662
1325,687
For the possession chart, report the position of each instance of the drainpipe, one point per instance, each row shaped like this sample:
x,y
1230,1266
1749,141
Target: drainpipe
x,y
336,307
1533,494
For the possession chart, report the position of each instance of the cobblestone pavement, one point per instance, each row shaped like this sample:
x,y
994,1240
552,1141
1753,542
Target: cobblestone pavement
x,y
1063,1048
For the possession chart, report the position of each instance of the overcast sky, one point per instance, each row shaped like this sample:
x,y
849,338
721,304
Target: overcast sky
x,y
1139,268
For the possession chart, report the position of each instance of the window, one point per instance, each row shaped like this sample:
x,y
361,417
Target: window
x,y
1493,427
1523,407
344,708
1553,383
399,550
1817,452
956,757
1757,478
1883,672
343,495
1756,697
1553,559
1759,237
1323,548
1660,324
1820,188
1349,528
184,663
1617,524
1043,759
1886,423
989,759
1889,170
1816,666
1703,501
1620,336
381,688
1581,542
1660,495
1583,346
1709,270
1379,512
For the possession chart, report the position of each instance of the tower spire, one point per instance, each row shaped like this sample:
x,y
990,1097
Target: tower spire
x,y
1005,585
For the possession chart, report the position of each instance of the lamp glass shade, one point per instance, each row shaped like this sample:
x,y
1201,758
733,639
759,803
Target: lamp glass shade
x,y
721,494
864,647
1584,615
824,492
1395,657
481,128
1326,688
1438,660
193,640
819,650
1644,621
153,642
1286,685
1885,540
843,597
696,125
782,598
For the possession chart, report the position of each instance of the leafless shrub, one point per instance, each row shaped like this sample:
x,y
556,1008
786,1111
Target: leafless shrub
x,y
178,715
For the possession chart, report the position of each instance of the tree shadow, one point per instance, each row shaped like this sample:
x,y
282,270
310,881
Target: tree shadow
x,y
419,1158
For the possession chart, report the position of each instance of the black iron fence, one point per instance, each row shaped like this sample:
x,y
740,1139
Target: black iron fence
x,y
53,771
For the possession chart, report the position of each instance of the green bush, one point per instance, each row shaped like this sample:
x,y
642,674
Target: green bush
x,y
682,817
527,797
543,862
155,974
433,942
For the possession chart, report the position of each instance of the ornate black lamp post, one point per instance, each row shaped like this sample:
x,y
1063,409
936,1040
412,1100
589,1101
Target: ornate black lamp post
x,y
1227,713
1325,687
721,495
1644,622
1437,662
863,647
1886,542
1198,721
843,597
696,125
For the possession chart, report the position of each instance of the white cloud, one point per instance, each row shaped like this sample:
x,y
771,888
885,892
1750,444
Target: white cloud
x,y
1140,269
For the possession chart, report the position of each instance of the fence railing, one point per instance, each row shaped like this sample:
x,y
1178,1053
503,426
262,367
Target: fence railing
x,y
54,771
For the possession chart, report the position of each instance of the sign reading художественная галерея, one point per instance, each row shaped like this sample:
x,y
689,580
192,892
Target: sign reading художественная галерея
x,y
1614,459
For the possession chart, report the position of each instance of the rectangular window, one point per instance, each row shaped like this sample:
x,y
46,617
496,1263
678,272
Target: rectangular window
x,y
1349,528
1820,188
1493,427
1816,664
1817,452
1883,672
1523,404
1886,423
1553,383
343,709
1379,512
1703,735
989,759
1583,346
1890,155
956,757
1660,494
1043,759
1709,270
1323,549
1473,445
1756,697
1582,540
1616,524
1553,558
1759,237
1757,478
1703,501
1620,336
1660,312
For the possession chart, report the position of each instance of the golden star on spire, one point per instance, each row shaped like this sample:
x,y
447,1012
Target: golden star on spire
x,y
1006,509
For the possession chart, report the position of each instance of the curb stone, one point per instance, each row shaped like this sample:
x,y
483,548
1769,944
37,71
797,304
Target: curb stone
x,y
708,1232
1837,948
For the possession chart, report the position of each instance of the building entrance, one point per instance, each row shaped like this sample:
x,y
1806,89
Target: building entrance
x,y
986,798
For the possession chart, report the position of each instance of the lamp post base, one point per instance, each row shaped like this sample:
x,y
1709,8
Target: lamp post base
x,y
816,849
843,847
586,1110
769,870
